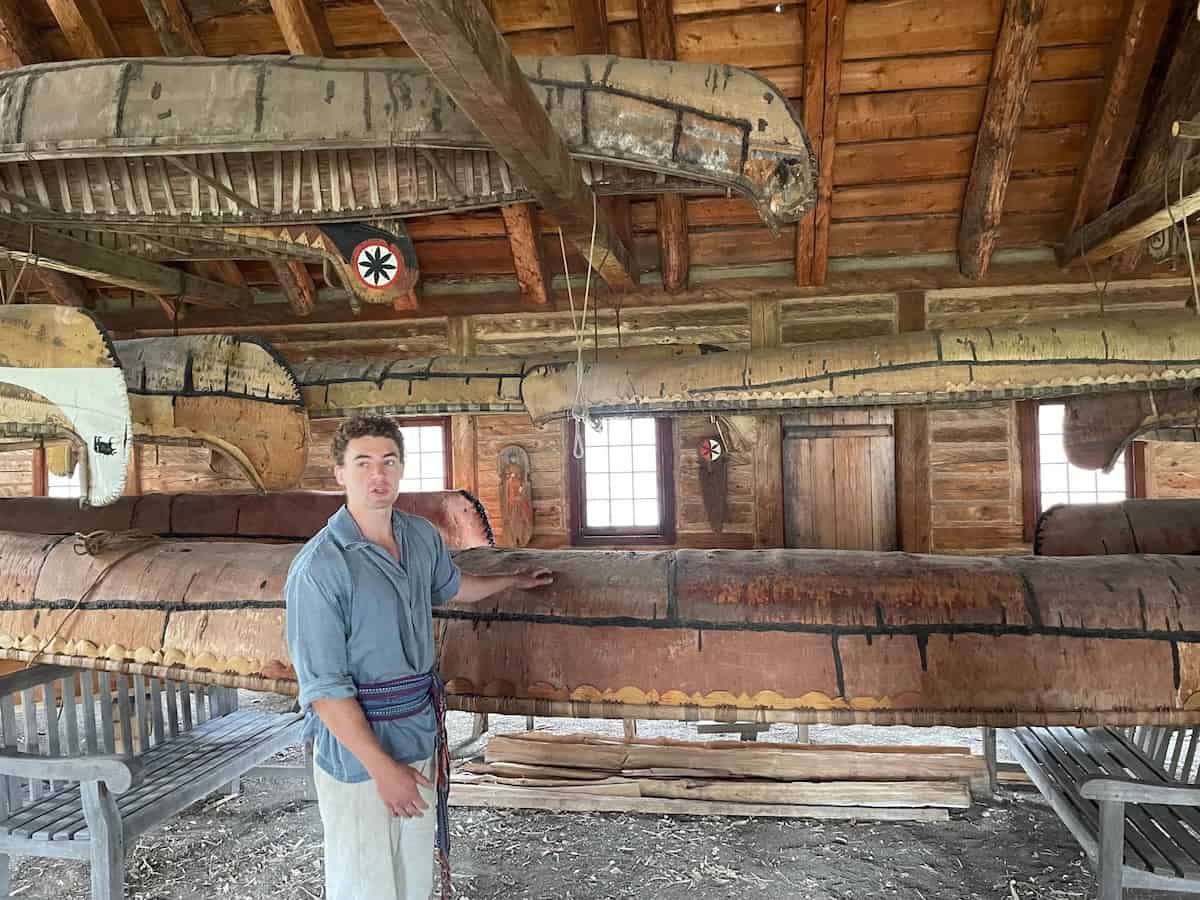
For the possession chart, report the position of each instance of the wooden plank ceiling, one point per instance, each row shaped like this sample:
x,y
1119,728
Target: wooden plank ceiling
x,y
902,89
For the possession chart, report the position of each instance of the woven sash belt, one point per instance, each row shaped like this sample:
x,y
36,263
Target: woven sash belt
x,y
401,698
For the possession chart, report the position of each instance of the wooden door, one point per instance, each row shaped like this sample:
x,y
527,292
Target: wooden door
x,y
839,480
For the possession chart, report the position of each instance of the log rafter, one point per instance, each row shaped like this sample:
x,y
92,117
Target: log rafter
x,y
173,25
460,44
305,28
1013,64
18,35
525,238
1131,58
86,28
1179,99
824,33
297,285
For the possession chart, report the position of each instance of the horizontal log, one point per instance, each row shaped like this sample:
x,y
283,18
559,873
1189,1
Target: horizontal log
x,y
769,635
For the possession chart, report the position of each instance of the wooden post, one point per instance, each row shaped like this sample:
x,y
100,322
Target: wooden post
x,y
464,452
1112,848
40,479
768,445
989,757
913,500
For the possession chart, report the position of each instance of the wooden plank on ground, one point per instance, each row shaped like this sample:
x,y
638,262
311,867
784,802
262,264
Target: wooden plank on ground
x,y
1012,71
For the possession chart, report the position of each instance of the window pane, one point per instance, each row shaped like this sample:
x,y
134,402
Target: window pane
x,y
645,512
1054,478
645,459
594,438
596,486
595,460
424,458
644,431
1050,418
1049,500
431,438
1083,499
622,512
1050,449
620,459
1111,496
1112,481
1080,480
622,485
645,485
597,514
619,431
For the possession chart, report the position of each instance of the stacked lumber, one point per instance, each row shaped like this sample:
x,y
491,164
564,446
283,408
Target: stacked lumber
x,y
593,773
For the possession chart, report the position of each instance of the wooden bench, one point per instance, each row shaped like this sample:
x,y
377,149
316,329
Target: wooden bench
x,y
87,770
1129,796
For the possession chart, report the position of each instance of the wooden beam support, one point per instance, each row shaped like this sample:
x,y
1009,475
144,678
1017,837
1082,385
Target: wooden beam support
x,y
86,28
656,20
173,25
64,289
18,34
57,251
1131,58
914,502
1133,220
304,27
1178,99
766,331
1013,62
225,271
297,285
824,32
525,238
459,43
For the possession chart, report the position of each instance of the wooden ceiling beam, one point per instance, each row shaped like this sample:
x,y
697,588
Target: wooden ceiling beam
x,y
18,35
297,285
1013,62
305,28
656,21
88,32
824,32
1178,99
460,44
64,289
225,271
1145,213
1131,57
525,238
173,25
54,250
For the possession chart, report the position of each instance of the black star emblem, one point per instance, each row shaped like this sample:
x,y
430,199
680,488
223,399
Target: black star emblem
x,y
376,265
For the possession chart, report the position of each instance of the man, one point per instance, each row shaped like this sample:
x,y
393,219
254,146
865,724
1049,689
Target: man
x,y
360,633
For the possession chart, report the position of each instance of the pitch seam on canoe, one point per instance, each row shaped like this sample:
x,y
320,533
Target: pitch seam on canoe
x,y
232,395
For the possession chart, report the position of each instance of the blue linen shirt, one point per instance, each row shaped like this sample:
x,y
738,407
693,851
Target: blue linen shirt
x,y
356,616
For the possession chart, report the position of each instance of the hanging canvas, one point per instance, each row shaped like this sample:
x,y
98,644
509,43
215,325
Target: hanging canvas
x,y
516,495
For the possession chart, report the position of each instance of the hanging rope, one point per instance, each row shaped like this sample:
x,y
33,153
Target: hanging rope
x,y
93,543
579,413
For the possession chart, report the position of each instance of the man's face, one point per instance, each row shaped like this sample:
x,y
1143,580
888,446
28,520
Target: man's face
x,y
370,473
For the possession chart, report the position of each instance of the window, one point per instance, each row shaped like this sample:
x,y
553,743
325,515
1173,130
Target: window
x,y
64,485
426,455
1049,480
622,490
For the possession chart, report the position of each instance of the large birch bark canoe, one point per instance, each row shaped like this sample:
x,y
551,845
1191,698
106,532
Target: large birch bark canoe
x,y
259,140
60,379
1165,525
282,517
783,635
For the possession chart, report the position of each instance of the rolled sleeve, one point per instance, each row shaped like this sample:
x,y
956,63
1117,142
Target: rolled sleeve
x,y
316,630
446,580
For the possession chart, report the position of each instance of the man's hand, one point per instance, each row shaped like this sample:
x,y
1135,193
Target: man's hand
x,y
397,786
528,579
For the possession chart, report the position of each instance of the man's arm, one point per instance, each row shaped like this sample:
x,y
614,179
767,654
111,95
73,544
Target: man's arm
x,y
474,588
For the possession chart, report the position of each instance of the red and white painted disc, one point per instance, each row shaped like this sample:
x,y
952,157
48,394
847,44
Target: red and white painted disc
x,y
711,449
376,264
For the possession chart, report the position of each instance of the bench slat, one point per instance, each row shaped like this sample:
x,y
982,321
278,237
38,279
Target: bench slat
x,y
1067,776
29,740
1156,823
156,710
141,713
172,709
124,713
107,713
71,715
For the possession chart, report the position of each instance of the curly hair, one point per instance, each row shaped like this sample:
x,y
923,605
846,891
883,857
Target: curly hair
x,y
365,426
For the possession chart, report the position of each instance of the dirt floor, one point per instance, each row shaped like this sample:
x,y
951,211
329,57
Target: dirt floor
x,y
265,842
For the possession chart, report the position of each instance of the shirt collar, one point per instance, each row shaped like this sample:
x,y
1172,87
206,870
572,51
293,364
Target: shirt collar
x,y
347,533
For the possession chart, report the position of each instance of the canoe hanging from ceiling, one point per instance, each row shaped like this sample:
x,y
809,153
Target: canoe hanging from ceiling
x,y
785,635
233,395
61,379
1166,525
256,140
445,384
953,365
1097,430
293,516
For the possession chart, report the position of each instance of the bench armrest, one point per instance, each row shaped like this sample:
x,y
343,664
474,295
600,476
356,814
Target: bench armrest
x,y
119,773
1129,790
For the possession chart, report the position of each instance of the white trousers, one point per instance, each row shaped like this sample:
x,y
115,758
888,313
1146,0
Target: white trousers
x,y
369,853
